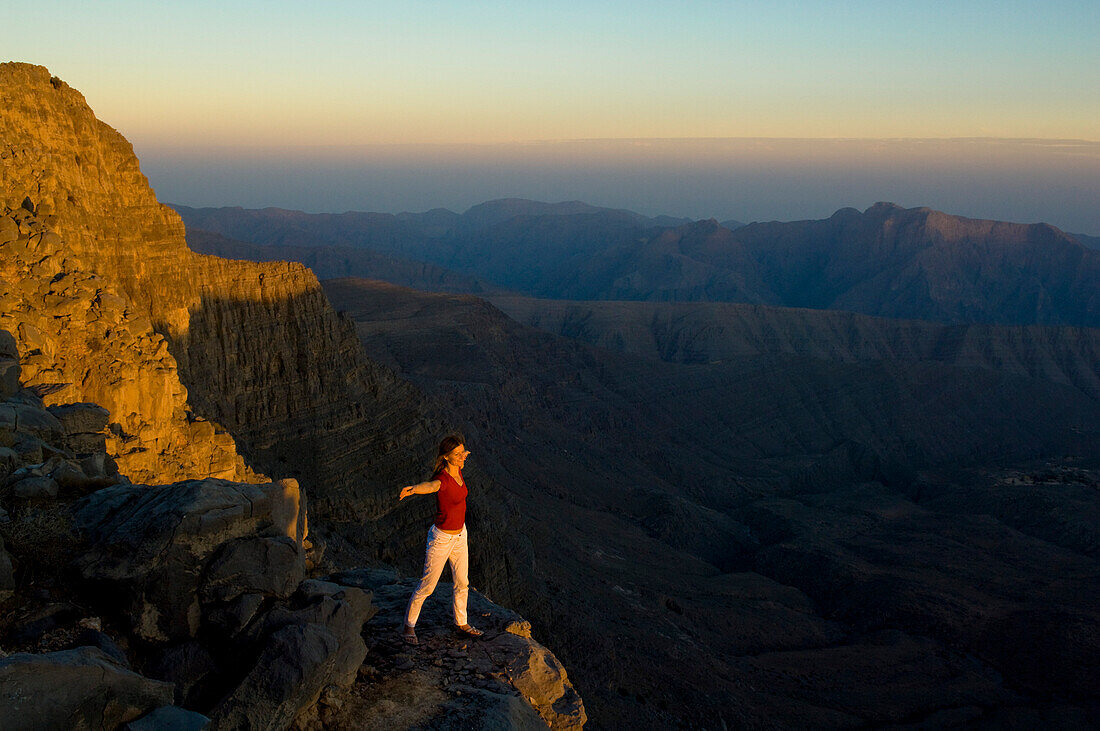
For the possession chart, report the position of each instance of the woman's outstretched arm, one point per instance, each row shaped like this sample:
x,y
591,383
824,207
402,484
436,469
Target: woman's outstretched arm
x,y
422,488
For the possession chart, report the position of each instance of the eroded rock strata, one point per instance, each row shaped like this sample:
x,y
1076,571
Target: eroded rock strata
x,y
710,332
82,339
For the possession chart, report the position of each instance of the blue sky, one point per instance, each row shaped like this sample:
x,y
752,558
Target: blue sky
x,y
437,72
231,82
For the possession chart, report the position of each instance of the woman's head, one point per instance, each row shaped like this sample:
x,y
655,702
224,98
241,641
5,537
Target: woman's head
x,y
452,451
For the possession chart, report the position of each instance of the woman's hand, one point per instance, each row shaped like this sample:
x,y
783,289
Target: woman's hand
x,y
424,488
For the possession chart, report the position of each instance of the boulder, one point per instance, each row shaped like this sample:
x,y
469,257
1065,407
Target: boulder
x,y
100,466
235,616
35,488
71,477
154,544
36,421
66,475
83,688
270,566
83,426
193,671
29,449
82,418
169,718
540,678
343,610
308,644
296,664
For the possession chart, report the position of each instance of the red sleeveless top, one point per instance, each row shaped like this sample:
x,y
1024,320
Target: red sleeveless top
x,y
450,502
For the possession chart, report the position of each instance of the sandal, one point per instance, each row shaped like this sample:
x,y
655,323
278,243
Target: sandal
x,y
467,629
409,635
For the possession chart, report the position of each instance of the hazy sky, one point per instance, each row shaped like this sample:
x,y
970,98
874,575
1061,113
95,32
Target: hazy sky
x,y
180,78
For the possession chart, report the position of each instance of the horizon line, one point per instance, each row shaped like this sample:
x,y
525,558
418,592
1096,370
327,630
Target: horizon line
x,y
567,140
717,219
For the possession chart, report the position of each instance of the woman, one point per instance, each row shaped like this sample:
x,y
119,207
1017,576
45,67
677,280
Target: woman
x,y
447,538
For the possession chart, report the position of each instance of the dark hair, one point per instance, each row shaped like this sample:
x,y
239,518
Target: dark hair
x,y
449,442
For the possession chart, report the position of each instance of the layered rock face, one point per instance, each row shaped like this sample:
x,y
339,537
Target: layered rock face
x,y
84,340
330,262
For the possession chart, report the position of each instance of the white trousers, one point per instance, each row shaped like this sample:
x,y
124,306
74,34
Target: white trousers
x,y
441,549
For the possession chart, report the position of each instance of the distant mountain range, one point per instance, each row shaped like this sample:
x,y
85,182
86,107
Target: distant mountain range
x,y
886,261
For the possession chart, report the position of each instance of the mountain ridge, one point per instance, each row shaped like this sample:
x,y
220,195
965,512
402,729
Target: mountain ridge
x,y
702,332
886,261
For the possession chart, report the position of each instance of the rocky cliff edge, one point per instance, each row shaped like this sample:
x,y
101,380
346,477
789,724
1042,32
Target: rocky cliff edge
x,y
191,605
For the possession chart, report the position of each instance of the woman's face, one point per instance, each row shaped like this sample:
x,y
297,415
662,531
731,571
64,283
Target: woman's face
x,y
457,456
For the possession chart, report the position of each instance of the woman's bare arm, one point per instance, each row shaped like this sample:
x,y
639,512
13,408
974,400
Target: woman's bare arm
x,y
422,488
